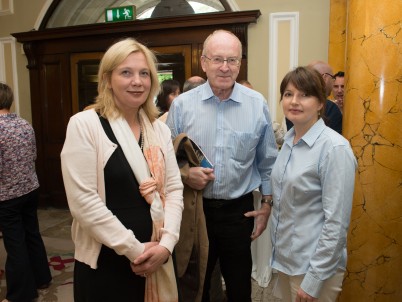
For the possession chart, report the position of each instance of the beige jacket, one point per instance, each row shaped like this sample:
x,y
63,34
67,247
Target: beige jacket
x,y
85,153
192,249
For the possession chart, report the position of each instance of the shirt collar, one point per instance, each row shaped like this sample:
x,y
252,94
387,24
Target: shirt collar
x,y
207,92
310,137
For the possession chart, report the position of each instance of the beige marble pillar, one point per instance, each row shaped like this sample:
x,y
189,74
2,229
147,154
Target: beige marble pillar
x,y
373,124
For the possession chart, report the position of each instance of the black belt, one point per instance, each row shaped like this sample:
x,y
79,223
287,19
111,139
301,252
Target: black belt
x,y
218,203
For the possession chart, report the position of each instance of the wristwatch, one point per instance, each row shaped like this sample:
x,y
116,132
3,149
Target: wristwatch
x,y
269,201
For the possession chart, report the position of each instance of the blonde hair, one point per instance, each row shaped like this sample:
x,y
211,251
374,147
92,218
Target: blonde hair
x,y
112,58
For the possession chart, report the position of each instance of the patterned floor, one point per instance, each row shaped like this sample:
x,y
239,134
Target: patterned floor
x,y
55,229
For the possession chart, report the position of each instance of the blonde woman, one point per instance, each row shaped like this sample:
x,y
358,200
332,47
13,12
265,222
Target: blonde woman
x,y
122,181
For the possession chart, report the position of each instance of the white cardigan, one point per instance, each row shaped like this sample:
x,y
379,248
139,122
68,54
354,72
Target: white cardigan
x,y
85,153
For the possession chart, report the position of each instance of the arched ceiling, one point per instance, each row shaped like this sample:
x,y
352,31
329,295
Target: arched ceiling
x,y
78,12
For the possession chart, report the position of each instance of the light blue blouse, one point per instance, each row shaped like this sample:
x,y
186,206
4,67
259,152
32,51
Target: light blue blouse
x,y
236,135
312,183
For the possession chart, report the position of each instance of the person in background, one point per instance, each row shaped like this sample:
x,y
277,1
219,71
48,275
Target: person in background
x,y
231,124
332,115
170,89
193,82
338,89
246,83
312,183
26,268
122,182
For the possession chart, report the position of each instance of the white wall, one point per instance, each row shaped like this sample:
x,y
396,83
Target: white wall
x,y
13,71
313,36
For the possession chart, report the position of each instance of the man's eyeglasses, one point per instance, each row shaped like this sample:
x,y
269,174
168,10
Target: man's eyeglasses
x,y
220,61
330,75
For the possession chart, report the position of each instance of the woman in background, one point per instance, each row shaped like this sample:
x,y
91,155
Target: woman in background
x,y
27,267
170,89
312,183
122,181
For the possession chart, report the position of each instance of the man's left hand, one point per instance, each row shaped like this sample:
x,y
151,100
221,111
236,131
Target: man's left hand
x,y
260,218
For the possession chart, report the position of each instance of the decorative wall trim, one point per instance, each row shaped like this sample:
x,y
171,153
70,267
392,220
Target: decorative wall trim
x,y
8,74
274,49
7,9
233,5
42,14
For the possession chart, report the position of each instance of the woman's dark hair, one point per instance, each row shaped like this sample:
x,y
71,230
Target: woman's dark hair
x,y
309,81
6,96
167,87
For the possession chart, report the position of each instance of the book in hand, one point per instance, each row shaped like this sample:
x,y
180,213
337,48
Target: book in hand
x,y
204,161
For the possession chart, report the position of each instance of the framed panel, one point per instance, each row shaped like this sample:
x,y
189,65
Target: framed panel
x,y
8,68
6,7
84,79
283,35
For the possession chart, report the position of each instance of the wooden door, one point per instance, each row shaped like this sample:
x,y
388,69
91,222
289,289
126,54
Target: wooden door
x,y
55,111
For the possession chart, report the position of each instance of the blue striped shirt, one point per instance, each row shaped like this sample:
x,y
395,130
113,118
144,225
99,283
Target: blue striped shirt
x,y
313,183
236,135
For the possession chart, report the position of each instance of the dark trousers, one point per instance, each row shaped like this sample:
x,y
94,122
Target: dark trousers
x,y
26,265
229,234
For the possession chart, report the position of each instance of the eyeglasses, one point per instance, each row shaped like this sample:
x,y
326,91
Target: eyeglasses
x,y
330,75
220,61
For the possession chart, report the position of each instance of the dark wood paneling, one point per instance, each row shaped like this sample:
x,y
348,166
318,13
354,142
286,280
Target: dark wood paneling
x,y
55,111
49,51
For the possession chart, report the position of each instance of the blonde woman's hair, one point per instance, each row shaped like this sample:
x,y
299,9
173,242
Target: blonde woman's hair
x,y
112,58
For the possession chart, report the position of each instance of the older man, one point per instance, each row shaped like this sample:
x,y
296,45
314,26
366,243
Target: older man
x,y
231,124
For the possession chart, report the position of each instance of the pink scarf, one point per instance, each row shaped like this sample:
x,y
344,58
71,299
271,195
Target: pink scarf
x,y
149,170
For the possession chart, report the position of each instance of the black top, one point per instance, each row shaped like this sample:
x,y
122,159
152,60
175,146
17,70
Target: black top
x,y
114,280
123,197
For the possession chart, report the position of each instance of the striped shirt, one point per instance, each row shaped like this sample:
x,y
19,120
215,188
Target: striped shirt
x,y
17,157
236,135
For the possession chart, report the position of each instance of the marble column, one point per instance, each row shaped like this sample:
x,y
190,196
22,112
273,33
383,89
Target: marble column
x,y
337,35
373,125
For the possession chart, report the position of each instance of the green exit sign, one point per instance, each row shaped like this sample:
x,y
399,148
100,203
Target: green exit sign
x,y
123,13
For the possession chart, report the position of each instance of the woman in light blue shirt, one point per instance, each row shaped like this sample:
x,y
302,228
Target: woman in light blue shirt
x,y
312,183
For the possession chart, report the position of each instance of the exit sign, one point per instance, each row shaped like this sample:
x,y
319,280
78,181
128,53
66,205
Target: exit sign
x,y
122,13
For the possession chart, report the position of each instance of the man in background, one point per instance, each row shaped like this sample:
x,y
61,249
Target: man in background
x,y
333,116
339,89
193,82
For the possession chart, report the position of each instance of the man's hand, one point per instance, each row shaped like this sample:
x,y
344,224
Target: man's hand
x,y
150,260
303,297
260,219
199,177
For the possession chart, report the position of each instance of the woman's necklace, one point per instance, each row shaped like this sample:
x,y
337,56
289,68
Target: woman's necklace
x,y
141,138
